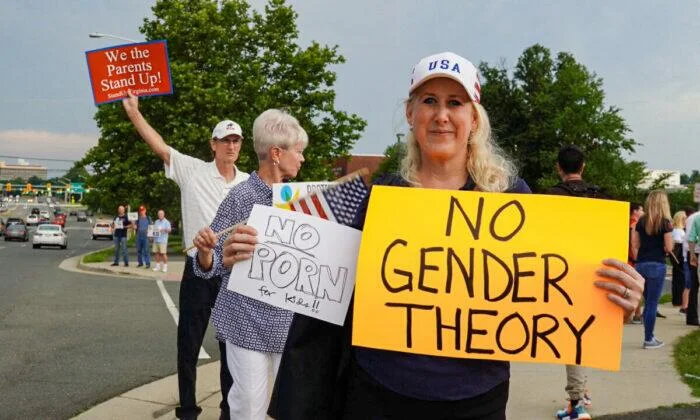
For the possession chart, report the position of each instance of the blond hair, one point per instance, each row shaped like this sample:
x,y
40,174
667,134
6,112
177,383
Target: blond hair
x,y
487,164
679,219
658,211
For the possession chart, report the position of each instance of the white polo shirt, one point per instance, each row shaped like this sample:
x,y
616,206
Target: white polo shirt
x,y
202,189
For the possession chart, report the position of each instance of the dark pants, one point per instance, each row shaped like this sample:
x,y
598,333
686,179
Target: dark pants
x,y
367,399
197,297
678,278
691,316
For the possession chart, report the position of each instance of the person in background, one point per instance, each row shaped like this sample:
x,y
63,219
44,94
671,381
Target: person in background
x,y
142,251
636,212
689,211
678,261
449,147
254,331
571,162
651,241
161,230
120,226
203,185
692,229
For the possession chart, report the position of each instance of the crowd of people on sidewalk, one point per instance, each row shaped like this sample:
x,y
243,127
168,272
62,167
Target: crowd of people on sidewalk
x,y
317,373
150,237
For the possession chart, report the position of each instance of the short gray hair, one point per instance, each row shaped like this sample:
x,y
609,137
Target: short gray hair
x,y
276,127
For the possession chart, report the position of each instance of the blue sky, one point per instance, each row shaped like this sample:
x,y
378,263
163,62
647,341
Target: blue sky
x,y
647,52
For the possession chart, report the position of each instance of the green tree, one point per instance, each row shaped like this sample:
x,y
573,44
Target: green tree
x,y
553,101
77,173
227,61
392,163
35,180
690,179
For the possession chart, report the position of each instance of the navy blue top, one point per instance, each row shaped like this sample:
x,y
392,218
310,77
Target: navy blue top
x,y
651,247
431,378
121,233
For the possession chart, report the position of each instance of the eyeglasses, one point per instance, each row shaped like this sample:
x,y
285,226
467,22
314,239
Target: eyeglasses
x,y
229,141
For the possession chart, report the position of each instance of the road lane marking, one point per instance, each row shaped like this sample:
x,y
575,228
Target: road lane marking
x,y
175,314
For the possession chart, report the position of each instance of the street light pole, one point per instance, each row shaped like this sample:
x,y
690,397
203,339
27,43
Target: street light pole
x,y
101,35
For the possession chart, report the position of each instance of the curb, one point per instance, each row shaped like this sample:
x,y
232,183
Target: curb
x,y
115,272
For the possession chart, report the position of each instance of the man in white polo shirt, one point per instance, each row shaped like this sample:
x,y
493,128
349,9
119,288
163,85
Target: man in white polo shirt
x,y
203,185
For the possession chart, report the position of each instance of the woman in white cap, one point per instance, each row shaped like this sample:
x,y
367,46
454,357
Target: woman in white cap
x,y
449,147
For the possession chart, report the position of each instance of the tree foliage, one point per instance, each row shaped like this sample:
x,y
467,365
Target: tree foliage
x,y
690,179
227,61
549,102
392,163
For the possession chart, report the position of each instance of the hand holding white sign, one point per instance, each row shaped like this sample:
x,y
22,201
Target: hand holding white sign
x,y
239,245
300,263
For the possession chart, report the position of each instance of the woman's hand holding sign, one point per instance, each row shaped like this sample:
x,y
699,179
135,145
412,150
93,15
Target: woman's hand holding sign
x,y
626,291
239,245
205,242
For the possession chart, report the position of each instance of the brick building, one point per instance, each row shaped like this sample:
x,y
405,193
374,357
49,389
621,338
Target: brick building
x,y
352,163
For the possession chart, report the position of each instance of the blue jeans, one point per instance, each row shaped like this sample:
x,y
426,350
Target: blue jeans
x,y
142,250
120,245
654,274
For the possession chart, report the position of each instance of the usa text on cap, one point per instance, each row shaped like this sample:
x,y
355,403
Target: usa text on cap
x,y
451,65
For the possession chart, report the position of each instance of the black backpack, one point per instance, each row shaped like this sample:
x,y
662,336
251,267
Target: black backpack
x,y
579,189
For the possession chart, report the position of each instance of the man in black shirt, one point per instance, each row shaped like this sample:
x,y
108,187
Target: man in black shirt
x,y
120,225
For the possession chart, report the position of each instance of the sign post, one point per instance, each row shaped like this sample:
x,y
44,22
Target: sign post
x,y
696,193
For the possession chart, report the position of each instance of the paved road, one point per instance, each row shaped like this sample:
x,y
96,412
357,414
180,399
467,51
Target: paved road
x,y
68,340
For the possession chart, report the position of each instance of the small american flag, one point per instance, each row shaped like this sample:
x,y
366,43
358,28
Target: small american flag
x,y
337,203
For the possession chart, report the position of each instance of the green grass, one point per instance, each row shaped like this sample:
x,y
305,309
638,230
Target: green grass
x,y
665,298
686,355
174,247
99,256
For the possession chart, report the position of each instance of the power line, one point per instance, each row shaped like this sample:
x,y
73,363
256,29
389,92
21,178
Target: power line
x,y
38,158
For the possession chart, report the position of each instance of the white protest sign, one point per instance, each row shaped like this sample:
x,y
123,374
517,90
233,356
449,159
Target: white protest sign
x,y
301,263
696,193
132,216
283,193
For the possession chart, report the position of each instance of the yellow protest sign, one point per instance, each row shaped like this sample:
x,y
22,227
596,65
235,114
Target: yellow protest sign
x,y
489,276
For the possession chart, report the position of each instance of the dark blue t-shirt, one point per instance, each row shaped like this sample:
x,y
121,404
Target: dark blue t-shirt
x,y
651,247
142,226
121,233
431,378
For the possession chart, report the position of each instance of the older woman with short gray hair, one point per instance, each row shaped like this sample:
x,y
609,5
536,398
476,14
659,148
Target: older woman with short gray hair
x,y
254,332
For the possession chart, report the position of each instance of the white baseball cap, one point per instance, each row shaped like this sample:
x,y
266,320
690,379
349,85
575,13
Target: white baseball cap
x,y
448,64
226,128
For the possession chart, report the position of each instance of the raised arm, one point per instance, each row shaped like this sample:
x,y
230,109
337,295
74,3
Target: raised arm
x,y
150,135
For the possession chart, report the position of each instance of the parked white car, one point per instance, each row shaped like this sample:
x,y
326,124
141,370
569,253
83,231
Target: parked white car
x,y
50,235
102,229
